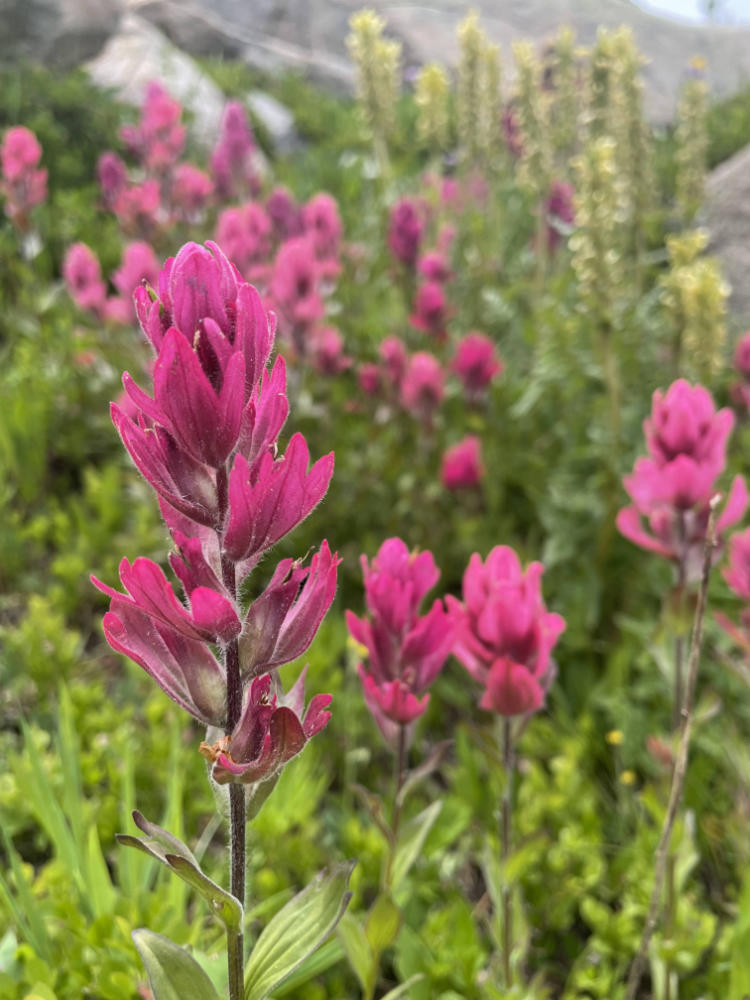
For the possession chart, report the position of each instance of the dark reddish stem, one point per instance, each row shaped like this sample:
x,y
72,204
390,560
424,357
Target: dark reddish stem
x,y
237,812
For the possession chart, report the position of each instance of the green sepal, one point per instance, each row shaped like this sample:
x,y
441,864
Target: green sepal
x,y
297,930
172,973
169,851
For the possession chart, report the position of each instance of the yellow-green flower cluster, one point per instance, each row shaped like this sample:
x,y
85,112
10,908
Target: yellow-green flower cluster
x,y
596,245
601,83
631,133
692,146
532,105
566,97
432,97
478,101
377,61
694,295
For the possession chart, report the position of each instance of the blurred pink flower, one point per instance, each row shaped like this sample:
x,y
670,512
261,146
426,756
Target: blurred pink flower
x,y
112,175
394,356
322,223
83,277
423,385
369,378
328,351
430,309
190,191
462,464
405,228
244,234
560,213
23,185
476,363
233,166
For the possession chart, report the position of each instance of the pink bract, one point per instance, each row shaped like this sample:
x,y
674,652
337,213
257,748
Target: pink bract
x,y
504,633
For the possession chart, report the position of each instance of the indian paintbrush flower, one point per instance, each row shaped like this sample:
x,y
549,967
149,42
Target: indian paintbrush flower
x,y
405,650
462,464
504,633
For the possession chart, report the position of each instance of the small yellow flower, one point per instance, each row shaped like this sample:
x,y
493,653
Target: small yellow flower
x,y
698,63
628,777
614,737
357,647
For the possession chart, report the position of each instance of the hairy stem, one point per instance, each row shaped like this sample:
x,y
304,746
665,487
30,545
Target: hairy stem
x,y
680,765
237,812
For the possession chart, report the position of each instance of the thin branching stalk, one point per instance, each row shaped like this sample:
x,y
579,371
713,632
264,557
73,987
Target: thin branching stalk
x,y
680,765
506,833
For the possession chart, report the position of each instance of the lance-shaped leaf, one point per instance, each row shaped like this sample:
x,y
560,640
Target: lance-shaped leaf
x,y
172,973
297,930
173,854
411,841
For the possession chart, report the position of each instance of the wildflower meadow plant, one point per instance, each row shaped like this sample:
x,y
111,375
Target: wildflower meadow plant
x,y
504,637
206,441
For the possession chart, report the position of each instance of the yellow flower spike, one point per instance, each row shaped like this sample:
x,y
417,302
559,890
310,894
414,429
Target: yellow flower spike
x,y
614,737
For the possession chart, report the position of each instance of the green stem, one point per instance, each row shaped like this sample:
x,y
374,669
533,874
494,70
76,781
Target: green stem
x,y
506,821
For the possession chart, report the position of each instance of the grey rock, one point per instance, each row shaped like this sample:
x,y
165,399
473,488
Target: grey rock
x,y
194,29
59,33
727,218
276,119
140,53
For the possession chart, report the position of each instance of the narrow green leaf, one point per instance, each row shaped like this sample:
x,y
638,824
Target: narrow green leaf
x,y
70,758
352,935
402,990
383,923
328,955
172,973
50,815
411,841
101,891
297,930
179,859
27,916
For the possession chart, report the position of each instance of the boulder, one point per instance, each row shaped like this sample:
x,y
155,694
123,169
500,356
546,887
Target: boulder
x,y
58,33
140,53
194,29
276,119
727,218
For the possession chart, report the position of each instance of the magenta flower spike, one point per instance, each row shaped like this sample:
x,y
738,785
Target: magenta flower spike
x,y
405,229
430,309
476,363
686,438
462,464
423,385
233,159
406,650
23,185
504,633
207,442
83,277
737,576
